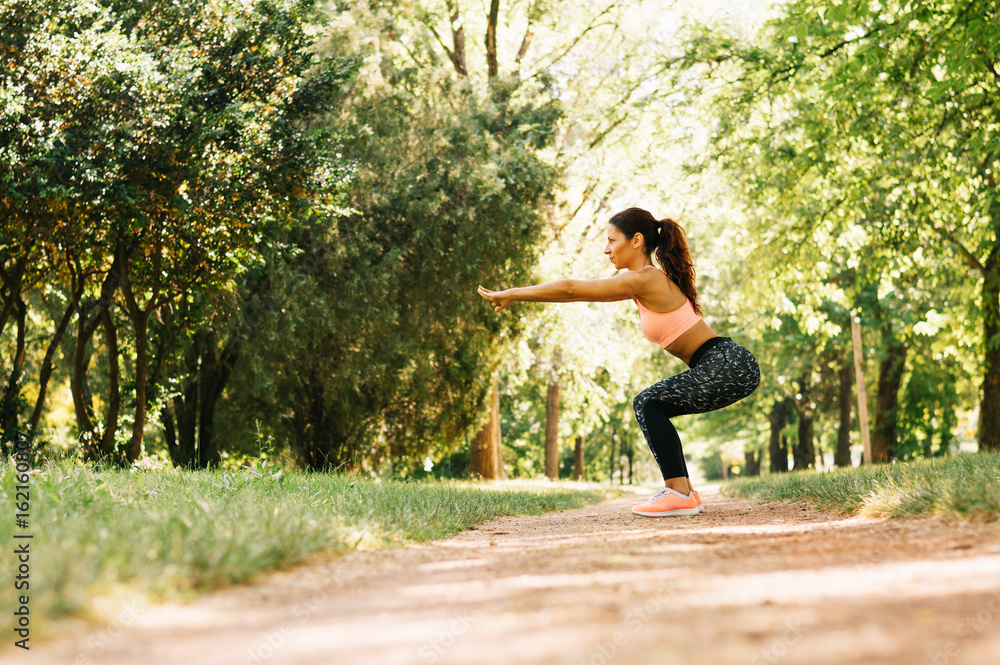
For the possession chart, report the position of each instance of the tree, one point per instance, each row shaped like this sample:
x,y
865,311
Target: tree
x,y
579,472
842,452
486,456
155,142
381,352
552,432
889,108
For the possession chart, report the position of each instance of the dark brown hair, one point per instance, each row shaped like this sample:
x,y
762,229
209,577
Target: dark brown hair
x,y
666,238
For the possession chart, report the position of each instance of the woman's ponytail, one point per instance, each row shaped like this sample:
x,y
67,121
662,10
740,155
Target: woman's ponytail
x,y
675,258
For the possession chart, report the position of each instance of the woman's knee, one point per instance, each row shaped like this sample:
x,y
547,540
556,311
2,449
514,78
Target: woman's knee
x,y
639,402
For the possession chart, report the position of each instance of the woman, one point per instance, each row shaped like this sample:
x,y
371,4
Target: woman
x,y
721,371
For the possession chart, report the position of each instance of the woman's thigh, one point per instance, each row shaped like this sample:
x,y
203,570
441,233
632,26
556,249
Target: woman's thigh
x,y
725,375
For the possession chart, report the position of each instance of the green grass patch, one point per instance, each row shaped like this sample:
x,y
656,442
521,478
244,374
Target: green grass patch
x,y
966,486
168,534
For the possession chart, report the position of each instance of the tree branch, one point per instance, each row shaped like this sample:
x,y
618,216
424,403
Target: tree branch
x,y
591,26
448,51
601,135
126,286
457,55
969,257
836,47
526,40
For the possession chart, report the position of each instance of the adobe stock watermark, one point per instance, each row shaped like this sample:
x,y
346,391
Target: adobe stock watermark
x,y
636,618
778,649
98,643
970,627
274,640
435,647
23,540
793,630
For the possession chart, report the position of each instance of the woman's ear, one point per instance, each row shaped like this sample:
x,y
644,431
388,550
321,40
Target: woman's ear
x,y
637,240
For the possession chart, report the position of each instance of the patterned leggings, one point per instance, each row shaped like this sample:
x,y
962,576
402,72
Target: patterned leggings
x,y
722,372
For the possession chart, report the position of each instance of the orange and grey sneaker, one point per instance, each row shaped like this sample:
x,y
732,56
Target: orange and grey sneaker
x,y
668,502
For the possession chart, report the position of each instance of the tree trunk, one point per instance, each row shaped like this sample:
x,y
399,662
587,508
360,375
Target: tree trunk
x,y
141,328
185,411
989,408
210,384
322,450
805,452
45,373
778,418
107,443
187,431
859,375
78,386
95,447
842,456
8,308
140,325
484,453
496,435
578,472
208,452
616,461
208,372
169,431
552,432
631,458
88,323
457,53
12,282
890,377
533,15
752,462
10,405
611,456
491,39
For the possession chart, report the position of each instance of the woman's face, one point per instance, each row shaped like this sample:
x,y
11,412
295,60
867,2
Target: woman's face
x,y
620,249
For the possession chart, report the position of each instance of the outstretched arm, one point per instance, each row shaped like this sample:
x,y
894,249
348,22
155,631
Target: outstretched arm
x,y
619,287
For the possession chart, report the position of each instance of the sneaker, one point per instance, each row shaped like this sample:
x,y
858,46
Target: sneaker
x,y
668,502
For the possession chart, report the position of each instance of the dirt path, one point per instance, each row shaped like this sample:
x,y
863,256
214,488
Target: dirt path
x,y
744,582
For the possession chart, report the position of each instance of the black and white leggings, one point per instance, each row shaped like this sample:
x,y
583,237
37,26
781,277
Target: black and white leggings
x,y
722,372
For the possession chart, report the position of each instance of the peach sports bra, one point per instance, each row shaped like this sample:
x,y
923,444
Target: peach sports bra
x,y
664,327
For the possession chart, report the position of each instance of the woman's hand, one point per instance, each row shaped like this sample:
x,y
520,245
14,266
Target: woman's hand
x,y
500,299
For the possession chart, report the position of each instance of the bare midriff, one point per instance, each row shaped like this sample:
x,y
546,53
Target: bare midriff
x,y
684,346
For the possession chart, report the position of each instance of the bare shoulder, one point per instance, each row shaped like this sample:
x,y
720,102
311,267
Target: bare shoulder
x,y
649,281
635,282
656,290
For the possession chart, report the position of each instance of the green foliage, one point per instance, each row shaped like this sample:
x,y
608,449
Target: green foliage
x,y
861,136
928,408
181,169
381,350
149,149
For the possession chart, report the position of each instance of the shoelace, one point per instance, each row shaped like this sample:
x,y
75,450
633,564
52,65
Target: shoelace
x,y
659,495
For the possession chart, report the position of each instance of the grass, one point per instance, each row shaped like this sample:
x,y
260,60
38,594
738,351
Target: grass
x,y
100,534
966,486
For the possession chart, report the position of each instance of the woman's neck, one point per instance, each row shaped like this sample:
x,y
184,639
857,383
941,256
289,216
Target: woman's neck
x,y
640,265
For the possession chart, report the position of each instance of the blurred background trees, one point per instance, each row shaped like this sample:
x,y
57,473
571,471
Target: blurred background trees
x,y
227,223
